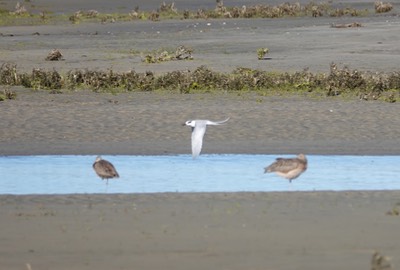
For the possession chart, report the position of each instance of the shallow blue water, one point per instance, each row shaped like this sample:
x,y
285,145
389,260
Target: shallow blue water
x,y
180,173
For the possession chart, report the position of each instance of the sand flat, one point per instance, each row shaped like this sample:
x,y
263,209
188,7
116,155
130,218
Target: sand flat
x,y
295,230
84,122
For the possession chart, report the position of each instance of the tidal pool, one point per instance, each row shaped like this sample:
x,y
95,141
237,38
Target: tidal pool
x,y
180,173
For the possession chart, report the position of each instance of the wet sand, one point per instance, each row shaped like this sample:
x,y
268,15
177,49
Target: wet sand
x,y
296,230
82,122
151,123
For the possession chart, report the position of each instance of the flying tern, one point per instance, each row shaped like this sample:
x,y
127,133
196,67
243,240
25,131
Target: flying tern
x,y
198,130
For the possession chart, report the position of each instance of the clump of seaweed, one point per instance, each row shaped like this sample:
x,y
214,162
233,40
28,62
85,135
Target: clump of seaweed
x,y
19,10
8,74
381,7
340,12
94,79
173,80
134,14
168,8
170,11
343,79
108,80
181,53
247,79
74,18
43,16
316,10
380,262
206,78
347,25
78,15
91,13
394,80
267,11
186,14
339,81
54,55
200,14
8,94
221,10
157,57
395,211
41,79
380,86
165,10
154,16
261,52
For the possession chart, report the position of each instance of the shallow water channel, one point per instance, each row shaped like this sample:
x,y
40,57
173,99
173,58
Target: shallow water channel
x,y
180,173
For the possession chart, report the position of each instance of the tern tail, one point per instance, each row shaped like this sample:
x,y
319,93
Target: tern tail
x,y
218,122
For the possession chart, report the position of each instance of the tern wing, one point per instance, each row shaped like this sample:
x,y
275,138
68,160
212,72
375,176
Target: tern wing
x,y
215,123
197,138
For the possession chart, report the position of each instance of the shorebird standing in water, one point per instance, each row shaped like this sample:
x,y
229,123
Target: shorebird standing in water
x,y
289,168
198,130
104,169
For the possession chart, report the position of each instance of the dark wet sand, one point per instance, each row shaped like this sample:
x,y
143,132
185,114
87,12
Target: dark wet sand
x,y
151,123
297,230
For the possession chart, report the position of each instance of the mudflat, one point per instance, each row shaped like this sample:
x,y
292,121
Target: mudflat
x,y
151,123
295,230
82,122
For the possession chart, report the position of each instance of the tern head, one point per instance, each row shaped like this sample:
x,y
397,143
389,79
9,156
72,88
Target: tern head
x,y
190,123
98,158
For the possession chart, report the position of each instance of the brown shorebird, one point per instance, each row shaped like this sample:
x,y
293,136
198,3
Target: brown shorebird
x,y
289,168
104,169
